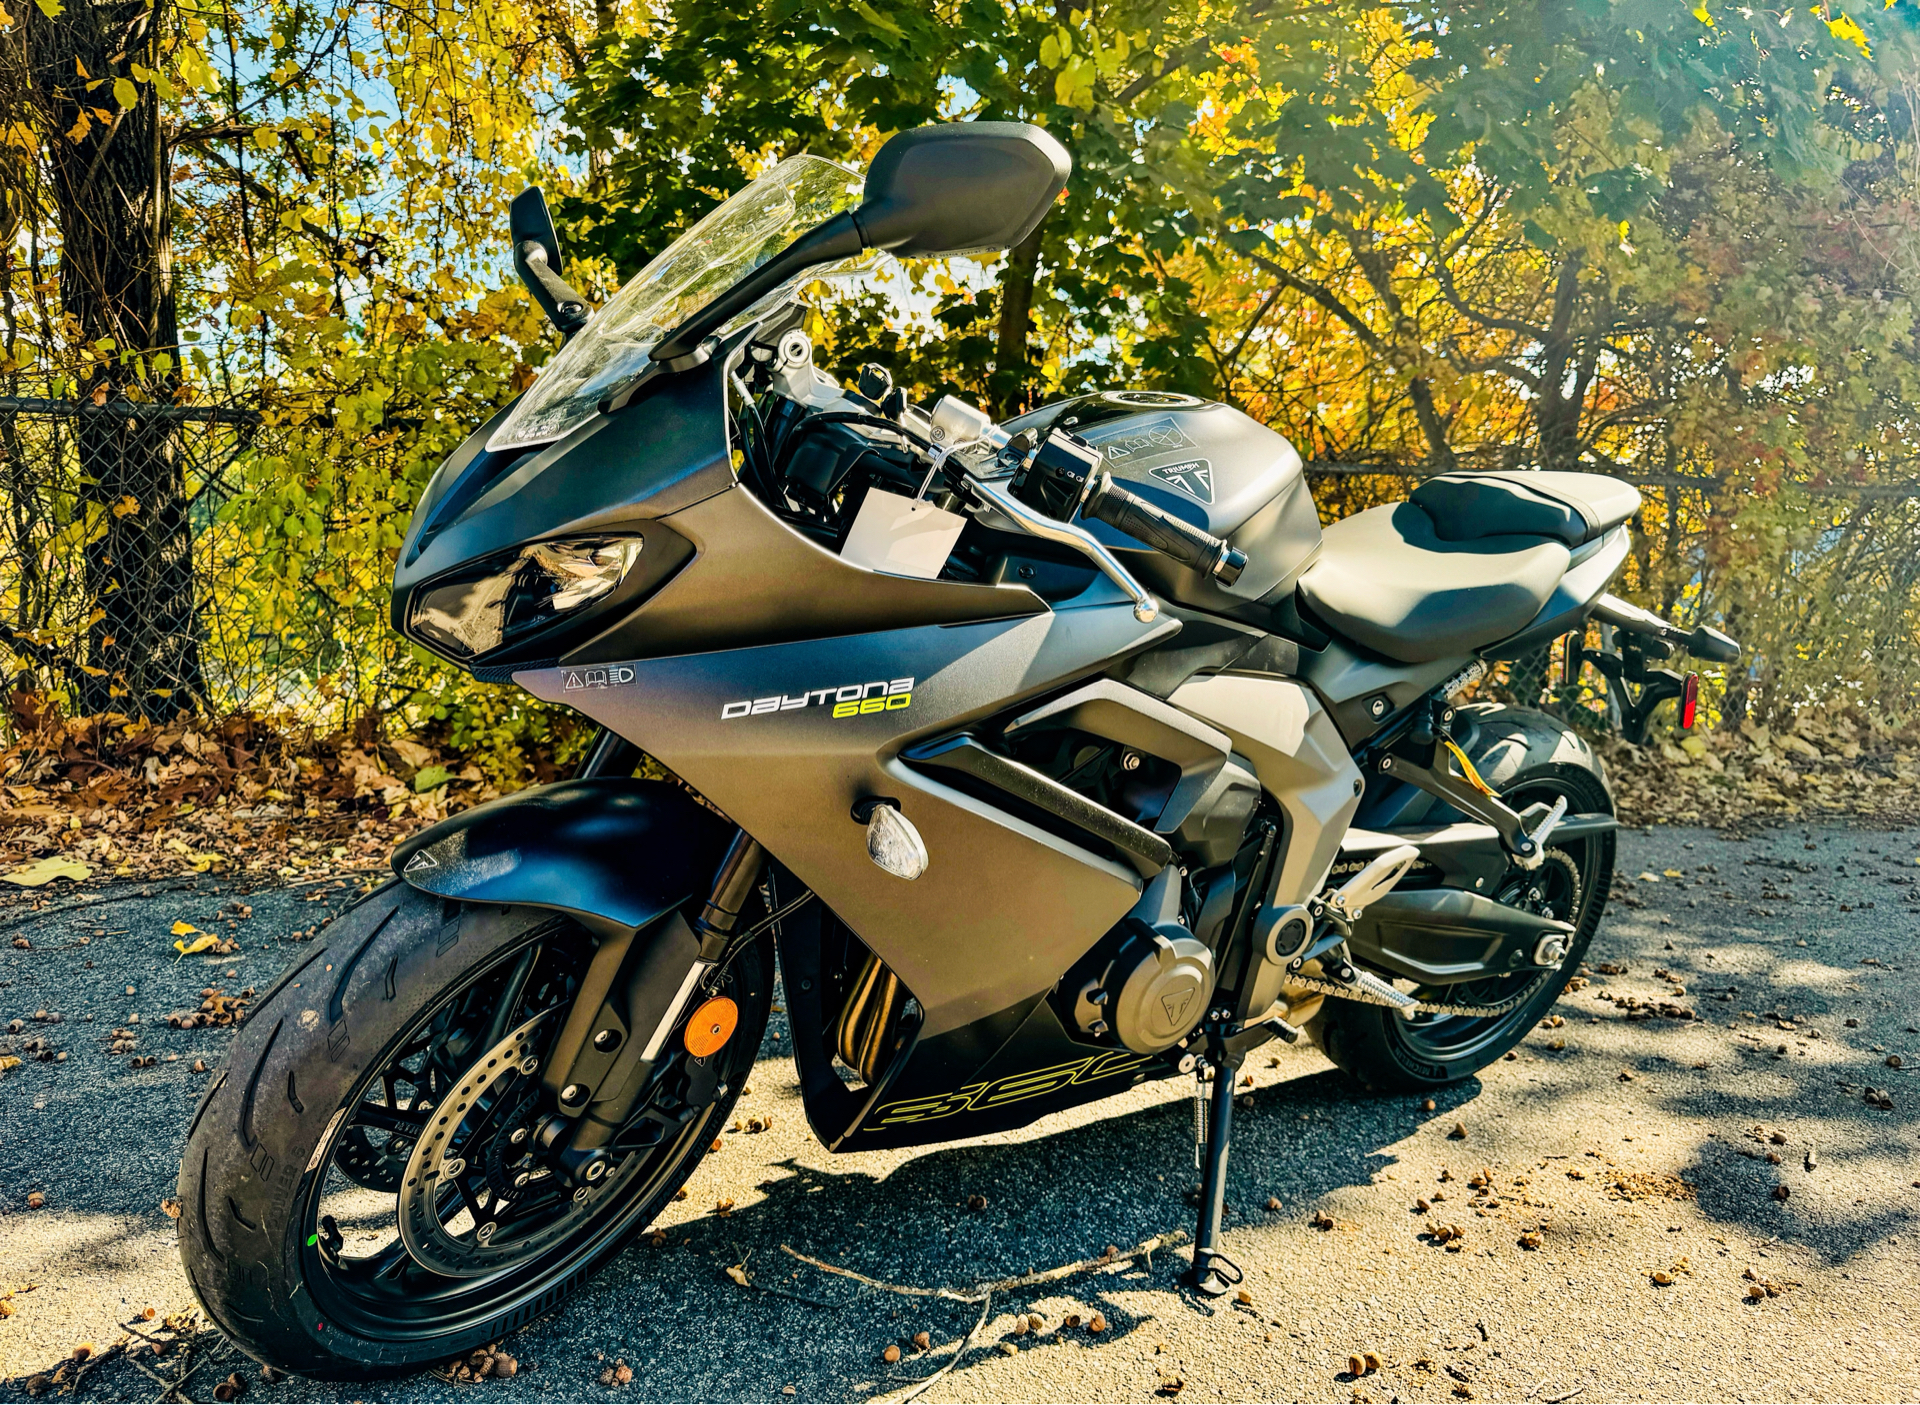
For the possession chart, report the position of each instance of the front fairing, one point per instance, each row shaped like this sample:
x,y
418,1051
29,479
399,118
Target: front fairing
x,y
615,475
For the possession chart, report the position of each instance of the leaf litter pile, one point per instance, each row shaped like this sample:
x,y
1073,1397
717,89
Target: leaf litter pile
x,y
1837,760
110,797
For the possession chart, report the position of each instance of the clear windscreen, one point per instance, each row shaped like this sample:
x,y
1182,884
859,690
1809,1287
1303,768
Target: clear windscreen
x,y
734,238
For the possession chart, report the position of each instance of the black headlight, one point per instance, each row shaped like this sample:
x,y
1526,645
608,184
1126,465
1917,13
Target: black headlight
x,y
489,605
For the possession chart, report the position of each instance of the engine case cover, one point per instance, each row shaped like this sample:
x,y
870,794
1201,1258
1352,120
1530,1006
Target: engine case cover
x,y
1165,993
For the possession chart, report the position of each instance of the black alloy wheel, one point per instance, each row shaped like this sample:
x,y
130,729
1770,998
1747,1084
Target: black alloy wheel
x,y
428,1220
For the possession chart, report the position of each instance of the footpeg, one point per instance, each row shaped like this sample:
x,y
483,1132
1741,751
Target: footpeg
x,y
1374,882
1537,841
1364,985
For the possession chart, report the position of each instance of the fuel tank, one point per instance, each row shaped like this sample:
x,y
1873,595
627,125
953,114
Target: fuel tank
x,y
1214,467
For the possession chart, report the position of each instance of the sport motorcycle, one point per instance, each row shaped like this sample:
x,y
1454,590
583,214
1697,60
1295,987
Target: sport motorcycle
x,y
1039,759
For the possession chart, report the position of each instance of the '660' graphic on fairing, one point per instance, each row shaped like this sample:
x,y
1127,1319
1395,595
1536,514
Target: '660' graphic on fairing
x,y
847,700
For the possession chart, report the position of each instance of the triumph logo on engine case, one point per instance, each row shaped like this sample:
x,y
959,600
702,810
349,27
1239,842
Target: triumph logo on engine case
x,y
848,700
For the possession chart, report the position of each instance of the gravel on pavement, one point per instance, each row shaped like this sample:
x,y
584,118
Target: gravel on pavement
x,y
1649,1207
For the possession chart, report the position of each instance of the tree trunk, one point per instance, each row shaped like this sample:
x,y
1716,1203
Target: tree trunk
x,y
1011,370
111,191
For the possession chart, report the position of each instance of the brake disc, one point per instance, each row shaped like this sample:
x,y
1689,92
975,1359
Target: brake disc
x,y
441,1158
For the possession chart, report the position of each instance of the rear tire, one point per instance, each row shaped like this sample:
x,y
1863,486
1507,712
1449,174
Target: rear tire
x,y
270,1147
1527,757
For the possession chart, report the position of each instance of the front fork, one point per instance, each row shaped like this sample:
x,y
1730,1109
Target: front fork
x,y
595,1086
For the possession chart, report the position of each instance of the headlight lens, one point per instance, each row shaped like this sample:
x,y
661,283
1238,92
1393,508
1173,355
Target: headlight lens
x,y
478,611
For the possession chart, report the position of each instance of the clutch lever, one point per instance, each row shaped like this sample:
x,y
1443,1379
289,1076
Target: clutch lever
x,y
1051,529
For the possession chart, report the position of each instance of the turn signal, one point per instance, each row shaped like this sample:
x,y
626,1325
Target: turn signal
x,y
1690,702
712,1026
892,841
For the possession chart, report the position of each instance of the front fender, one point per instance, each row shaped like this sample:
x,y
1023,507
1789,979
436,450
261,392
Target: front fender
x,y
614,852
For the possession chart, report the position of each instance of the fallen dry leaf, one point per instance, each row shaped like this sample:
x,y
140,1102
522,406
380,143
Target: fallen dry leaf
x,y
44,871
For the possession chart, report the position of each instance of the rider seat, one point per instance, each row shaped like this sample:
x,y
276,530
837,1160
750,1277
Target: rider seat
x,y
1467,561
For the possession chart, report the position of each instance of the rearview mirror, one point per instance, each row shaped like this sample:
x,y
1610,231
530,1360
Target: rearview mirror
x,y
960,188
536,258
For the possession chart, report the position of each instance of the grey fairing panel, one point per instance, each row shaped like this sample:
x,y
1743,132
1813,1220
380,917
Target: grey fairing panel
x,y
1348,680
1593,569
1004,907
1300,760
613,852
755,580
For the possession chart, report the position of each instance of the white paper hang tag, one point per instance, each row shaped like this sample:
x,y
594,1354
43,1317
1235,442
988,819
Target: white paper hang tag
x,y
901,536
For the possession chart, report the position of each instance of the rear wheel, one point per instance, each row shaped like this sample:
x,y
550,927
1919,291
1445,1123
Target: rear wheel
x,y
362,1189
1391,1054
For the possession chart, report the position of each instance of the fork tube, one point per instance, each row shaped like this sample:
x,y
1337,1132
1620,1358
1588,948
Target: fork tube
x,y
609,754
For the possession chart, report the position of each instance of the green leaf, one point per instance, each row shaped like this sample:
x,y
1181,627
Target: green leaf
x,y
876,19
125,93
430,777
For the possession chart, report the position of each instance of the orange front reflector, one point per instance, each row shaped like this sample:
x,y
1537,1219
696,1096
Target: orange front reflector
x,y
712,1026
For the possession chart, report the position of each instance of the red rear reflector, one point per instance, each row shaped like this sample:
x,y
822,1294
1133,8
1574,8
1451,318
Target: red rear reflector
x,y
1690,702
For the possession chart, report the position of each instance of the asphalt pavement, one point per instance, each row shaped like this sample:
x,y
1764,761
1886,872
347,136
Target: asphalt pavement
x,y
1739,1156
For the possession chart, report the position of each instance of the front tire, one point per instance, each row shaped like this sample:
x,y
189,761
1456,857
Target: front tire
x,y
1527,757
292,1186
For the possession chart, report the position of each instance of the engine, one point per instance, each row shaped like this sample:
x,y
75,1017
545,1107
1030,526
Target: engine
x,y
1151,979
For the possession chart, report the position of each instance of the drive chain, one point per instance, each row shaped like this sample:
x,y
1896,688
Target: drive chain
x,y
1425,1007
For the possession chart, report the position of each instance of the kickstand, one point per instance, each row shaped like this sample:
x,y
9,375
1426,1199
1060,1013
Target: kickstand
x,y
1213,1274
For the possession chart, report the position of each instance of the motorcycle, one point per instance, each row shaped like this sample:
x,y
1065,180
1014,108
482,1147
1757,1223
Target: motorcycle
x,y
1039,759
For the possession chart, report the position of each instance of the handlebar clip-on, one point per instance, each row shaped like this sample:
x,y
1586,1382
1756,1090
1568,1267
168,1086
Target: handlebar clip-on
x,y
1062,474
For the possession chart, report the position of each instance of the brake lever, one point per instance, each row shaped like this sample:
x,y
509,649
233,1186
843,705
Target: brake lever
x,y
1051,529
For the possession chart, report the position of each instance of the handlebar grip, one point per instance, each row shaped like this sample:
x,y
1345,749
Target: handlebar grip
x,y
1161,530
1713,646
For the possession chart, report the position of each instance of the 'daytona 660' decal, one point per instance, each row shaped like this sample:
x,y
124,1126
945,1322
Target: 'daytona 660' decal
x,y
848,700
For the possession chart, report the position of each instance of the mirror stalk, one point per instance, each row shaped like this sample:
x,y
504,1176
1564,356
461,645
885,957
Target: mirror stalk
x,y
565,308
536,258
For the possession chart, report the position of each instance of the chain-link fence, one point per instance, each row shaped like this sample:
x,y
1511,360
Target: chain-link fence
x,y
122,591
105,506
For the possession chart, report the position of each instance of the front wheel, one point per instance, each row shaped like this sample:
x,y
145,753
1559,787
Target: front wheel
x,y
362,1191
1530,758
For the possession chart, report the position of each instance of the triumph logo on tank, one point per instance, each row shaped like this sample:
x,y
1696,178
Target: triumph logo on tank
x,y
1194,477
848,700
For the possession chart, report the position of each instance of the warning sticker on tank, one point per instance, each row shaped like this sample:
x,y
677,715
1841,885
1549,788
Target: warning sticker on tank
x,y
1130,443
1193,477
